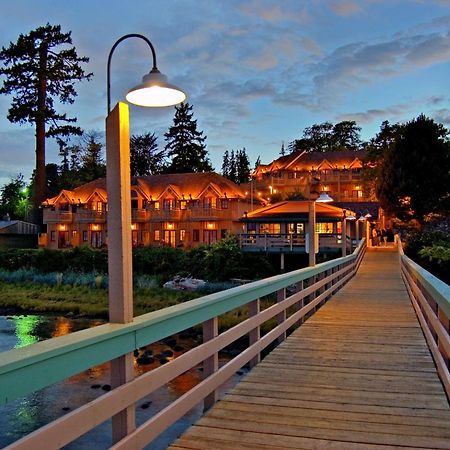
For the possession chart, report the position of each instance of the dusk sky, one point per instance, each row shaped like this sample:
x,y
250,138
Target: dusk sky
x,y
256,72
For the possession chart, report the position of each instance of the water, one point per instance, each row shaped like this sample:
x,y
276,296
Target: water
x,y
24,415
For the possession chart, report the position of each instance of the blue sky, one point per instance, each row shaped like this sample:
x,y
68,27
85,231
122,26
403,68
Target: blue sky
x,y
257,72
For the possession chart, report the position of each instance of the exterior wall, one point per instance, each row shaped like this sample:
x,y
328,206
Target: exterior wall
x,y
343,185
167,221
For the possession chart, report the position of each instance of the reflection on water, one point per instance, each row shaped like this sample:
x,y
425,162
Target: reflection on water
x,y
24,415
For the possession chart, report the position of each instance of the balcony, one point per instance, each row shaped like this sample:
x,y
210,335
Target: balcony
x,y
163,215
56,216
139,215
202,213
90,216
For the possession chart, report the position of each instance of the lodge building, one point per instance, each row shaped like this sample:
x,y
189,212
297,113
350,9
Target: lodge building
x,y
336,173
178,210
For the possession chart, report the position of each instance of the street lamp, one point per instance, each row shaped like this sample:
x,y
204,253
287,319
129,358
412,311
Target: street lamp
x,y
322,198
155,91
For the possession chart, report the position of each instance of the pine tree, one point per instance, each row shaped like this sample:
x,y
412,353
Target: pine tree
x,y
93,165
144,155
36,75
283,150
226,164
242,167
185,144
232,175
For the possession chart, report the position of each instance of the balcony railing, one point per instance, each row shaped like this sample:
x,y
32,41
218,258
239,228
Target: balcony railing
x,y
202,213
57,216
157,215
140,215
90,216
285,242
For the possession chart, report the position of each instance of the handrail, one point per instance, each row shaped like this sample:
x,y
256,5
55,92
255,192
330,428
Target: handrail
x,y
30,368
430,298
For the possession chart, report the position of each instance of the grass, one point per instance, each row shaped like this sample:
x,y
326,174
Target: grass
x,y
81,300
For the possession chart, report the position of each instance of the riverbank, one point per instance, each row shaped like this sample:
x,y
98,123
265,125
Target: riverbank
x,y
81,301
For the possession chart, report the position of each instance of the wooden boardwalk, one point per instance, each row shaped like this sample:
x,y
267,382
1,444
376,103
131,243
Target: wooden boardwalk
x,y
356,375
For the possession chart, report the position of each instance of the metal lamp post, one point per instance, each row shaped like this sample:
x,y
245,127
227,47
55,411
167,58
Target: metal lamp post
x,y
323,198
154,91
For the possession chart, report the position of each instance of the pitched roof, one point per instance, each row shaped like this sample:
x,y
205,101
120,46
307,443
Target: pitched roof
x,y
295,209
312,160
191,185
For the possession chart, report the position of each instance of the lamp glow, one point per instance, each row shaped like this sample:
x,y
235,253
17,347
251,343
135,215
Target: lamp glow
x,y
155,91
324,198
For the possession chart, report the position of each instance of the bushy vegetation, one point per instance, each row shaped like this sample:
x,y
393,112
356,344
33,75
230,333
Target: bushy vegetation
x,y
217,262
432,251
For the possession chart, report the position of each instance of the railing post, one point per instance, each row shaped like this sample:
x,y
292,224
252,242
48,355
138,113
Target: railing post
x,y
254,335
446,324
211,364
281,317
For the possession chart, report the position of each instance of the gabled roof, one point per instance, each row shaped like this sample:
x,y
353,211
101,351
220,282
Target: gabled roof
x,y
314,160
189,185
294,210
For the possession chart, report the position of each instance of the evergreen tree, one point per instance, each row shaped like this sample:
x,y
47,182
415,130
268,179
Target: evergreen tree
x,y
257,162
185,144
232,174
242,167
226,164
346,136
283,150
144,155
36,74
93,164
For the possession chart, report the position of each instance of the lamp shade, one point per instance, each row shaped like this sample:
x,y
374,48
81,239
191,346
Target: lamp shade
x,y
155,91
324,198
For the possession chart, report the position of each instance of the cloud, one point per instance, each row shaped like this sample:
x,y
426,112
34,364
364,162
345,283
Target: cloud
x,y
268,12
442,116
346,7
391,113
362,63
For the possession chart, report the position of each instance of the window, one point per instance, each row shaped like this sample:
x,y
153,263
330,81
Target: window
x,y
271,228
85,236
182,235
183,204
157,235
223,233
224,203
297,228
134,203
99,206
251,228
324,227
196,235
52,236
74,233
208,202
291,175
357,193
168,203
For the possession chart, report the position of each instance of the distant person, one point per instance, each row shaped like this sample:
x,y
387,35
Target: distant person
x,y
384,236
375,238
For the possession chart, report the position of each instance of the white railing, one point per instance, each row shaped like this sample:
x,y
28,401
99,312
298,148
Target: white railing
x,y
295,294
431,300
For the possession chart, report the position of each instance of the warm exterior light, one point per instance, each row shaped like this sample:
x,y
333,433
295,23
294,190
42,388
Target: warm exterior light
x,y
324,198
368,216
62,227
133,226
154,91
170,225
94,227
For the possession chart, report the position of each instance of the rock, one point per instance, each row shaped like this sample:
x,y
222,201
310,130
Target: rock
x,y
171,342
96,386
65,408
163,361
184,284
168,353
136,353
145,359
106,387
178,348
146,405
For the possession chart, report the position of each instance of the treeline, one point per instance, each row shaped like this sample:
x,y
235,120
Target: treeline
x,y
219,261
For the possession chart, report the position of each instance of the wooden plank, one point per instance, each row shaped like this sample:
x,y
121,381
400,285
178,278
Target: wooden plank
x,y
356,375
